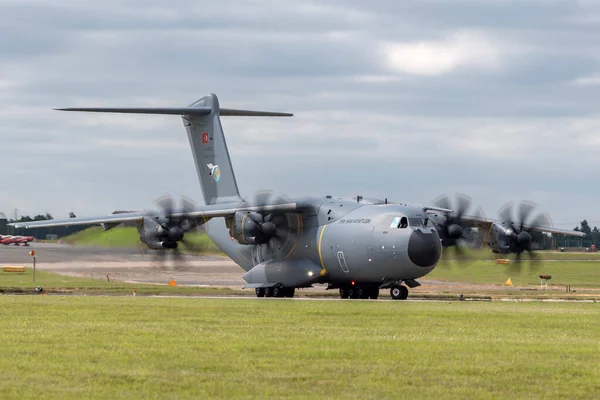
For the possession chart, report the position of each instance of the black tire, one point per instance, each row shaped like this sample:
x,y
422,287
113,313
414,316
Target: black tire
x,y
396,292
269,292
278,291
374,293
289,292
363,293
404,292
344,293
353,293
260,292
399,292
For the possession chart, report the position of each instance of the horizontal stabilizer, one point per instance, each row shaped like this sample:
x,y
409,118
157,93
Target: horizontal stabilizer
x,y
192,111
144,110
230,112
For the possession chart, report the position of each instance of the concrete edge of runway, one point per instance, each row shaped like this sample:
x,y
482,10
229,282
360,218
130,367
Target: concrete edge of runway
x,y
307,298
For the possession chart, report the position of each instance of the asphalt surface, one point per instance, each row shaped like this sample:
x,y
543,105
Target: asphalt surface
x,y
127,265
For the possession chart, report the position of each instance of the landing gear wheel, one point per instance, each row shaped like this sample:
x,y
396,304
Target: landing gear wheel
x,y
374,293
289,292
260,292
353,293
344,293
399,292
363,293
278,291
269,292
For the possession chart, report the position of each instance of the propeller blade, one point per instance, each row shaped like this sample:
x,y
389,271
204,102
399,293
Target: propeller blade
x,y
187,205
525,210
442,202
506,213
166,203
191,246
463,205
542,221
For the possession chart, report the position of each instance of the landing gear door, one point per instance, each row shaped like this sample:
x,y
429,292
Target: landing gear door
x,y
342,261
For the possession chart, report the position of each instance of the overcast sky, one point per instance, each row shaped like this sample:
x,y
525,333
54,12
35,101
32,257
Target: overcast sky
x,y
498,99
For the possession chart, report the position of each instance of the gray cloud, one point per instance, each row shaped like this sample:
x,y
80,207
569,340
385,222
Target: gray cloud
x,y
493,98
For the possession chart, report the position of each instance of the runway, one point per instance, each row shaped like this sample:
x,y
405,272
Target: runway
x,y
127,265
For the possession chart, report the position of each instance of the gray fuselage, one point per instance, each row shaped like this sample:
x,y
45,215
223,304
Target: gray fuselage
x,y
350,240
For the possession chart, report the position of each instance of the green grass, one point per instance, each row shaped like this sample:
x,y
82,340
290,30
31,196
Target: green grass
x,y
129,237
574,273
102,347
11,282
486,254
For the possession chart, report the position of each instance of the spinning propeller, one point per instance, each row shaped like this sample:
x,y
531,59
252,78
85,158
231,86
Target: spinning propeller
x,y
274,233
166,230
454,230
518,221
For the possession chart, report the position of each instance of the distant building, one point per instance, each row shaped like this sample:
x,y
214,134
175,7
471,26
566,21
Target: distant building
x,y
3,222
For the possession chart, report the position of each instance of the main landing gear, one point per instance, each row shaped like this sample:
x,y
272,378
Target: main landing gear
x,y
275,291
360,292
367,291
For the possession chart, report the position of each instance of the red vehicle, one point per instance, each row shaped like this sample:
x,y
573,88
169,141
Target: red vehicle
x,y
16,240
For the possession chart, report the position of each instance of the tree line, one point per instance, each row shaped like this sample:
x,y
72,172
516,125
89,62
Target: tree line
x,y
592,235
42,233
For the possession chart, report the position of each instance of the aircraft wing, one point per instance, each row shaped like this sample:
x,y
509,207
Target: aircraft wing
x,y
485,223
202,212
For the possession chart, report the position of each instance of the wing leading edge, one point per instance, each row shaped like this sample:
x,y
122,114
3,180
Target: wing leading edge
x,y
486,223
202,212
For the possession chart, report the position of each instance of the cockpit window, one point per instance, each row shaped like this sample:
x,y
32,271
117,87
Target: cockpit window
x,y
416,222
399,222
403,222
419,222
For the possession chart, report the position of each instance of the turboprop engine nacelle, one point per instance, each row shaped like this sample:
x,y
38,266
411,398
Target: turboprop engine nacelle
x,y
252,228
156,237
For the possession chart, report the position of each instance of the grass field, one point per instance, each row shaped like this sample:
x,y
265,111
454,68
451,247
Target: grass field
x,y
575,273
117,347
55,283
129,237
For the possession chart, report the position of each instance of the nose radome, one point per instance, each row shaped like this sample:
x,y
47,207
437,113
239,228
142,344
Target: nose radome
x,y
424,249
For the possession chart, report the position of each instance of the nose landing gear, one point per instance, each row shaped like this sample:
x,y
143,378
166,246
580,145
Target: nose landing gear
x,y
399,292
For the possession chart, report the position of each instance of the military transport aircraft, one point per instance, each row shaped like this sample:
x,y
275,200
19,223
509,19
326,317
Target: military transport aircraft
x,y
356,245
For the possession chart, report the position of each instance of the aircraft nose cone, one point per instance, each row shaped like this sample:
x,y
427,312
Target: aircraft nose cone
x,y
424,249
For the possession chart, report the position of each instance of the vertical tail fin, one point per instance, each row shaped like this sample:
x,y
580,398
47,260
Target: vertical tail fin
x,y
205,133
211,156
209,147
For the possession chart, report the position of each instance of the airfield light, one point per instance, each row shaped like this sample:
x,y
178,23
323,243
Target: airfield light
x,y
544,278
32,254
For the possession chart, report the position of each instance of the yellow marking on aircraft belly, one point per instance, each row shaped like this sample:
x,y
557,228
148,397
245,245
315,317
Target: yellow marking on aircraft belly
x,y
290,253
243,221
319,246
300,225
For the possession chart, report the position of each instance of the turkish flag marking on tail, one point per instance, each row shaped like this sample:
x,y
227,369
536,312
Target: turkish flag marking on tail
x,y
205,137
